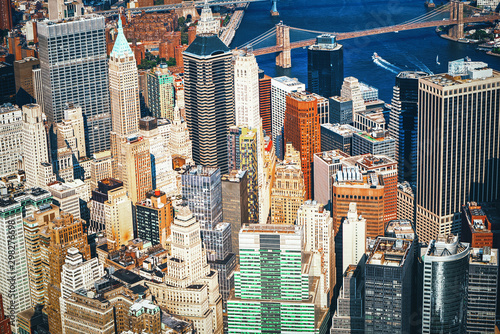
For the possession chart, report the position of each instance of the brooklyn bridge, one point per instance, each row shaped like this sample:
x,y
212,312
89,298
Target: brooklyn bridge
x,y
457,15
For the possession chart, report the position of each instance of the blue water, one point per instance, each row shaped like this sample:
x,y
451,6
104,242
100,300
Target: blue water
x,y
406,50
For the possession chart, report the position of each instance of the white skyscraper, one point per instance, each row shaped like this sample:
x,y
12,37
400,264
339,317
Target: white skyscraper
x,y
351,90
207,24
124,96
10,138
180,144
280,88
73,131
318,239
34,146
246,90
353,238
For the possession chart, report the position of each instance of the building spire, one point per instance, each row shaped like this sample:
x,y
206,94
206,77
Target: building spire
x,y
121,47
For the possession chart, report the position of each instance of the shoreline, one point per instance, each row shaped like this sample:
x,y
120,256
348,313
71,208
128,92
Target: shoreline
x,y
229,31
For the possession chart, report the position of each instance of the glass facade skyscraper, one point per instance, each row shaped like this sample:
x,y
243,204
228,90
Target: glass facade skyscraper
x,y
403,123
325,66
74,68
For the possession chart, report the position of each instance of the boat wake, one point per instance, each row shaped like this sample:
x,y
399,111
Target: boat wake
x,y
381,62
421,66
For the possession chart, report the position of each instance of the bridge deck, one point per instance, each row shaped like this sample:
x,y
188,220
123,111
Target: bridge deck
x,y
376,31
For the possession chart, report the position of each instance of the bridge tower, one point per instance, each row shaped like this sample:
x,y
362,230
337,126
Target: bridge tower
x,y
457,15
284,58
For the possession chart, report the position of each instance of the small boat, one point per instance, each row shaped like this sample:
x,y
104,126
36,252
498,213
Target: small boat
x,y
396,31
437,60
375,56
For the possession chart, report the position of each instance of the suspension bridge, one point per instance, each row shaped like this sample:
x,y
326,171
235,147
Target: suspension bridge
x,y
459,15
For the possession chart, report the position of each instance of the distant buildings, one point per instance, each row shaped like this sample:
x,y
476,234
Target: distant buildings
x,y
325,66
302,129
209,99
451,141
446,263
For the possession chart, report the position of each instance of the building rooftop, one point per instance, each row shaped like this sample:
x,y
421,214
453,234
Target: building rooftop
x,y
400,228
207,45
332,157
411,74
126,276
340,99
389,252
270,228
377,135
287,81
234,176
445,246
303,96
405,187
484,256
345,130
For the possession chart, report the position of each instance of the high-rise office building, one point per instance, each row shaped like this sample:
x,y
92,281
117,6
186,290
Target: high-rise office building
x,y
4,321
318,240
157,133
348,316
34,146
445,266
71,132
450,130
337,137
154,215
59,9
161,100
376,142
243,155
265,102
370,119
340,110
303,131
280,297
246,90
482,290
83,68
280,88
209,99
476,227
119,222
235,203
351,90
8,89
11,134
66,198
64,233
23,75
353,244
190,288
323,108
388,286
405,202
350,185
180,143
5,15
96,204
100,168
269,173
14,281
325,66
288,191
403,123
136,172
326,164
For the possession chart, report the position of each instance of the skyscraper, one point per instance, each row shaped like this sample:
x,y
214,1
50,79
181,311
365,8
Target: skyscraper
x,y
180,142
160,83
280,88
23,74
348,316
118,218
353,239
154,215
458,159
265,102
4,321
272,290
5,15
325,66
340,110
482,290
303,131
11,135
388,286
446,263
246,91
351,90
78,75
375,142
35,147
136,172
190,287
326,165
403,123
209,99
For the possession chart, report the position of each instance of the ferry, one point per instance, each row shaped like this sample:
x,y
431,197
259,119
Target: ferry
x,y
375,56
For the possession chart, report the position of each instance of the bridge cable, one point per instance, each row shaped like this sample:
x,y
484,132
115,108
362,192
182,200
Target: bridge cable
x,y
260,37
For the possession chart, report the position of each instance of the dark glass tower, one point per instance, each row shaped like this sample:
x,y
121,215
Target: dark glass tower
x,y
403,123
325,66
209,99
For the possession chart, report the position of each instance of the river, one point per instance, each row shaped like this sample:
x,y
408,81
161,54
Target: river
x,y
406,50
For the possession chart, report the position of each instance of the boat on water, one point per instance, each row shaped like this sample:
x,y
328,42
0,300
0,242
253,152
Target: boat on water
x,y
437,60
463,40
375,56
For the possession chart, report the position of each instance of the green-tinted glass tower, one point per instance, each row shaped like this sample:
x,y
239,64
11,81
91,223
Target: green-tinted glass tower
x,y
275,289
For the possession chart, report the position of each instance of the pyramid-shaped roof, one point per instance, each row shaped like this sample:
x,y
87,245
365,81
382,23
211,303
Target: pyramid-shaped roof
x,y
207,45
121,47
